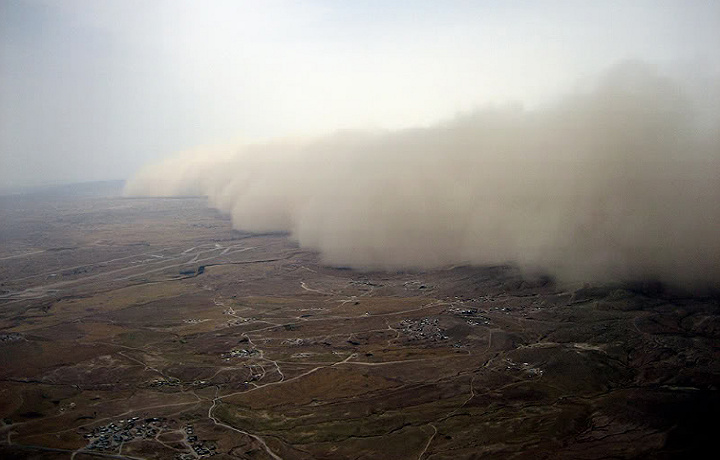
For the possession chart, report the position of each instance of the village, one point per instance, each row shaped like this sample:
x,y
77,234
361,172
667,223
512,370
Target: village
x,y
111,437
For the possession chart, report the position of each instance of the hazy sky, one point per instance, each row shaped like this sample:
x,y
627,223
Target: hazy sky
x,y
91,90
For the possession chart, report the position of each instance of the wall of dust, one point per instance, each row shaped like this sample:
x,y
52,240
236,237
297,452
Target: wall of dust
x,y
617,182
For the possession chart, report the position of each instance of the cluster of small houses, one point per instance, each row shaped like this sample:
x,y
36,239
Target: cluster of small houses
x,y
472,316
110,437
195,320
201,448
240,353
423,329
171,382
11,337
237,320
429,329
525,367
365,283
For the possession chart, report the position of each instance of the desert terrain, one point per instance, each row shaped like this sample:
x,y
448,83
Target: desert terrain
x,y
148,328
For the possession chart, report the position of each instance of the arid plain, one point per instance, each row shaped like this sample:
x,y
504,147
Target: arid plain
x,y
149,328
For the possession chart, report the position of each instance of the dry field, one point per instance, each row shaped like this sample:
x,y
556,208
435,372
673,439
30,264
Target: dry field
x,y
148,328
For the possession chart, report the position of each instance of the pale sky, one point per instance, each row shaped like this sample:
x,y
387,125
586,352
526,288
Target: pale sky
x,y
92,90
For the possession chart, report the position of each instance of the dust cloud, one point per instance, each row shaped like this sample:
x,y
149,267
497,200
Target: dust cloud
x,y
620,181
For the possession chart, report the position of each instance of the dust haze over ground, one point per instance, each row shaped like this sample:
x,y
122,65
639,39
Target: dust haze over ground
x,y
617,182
